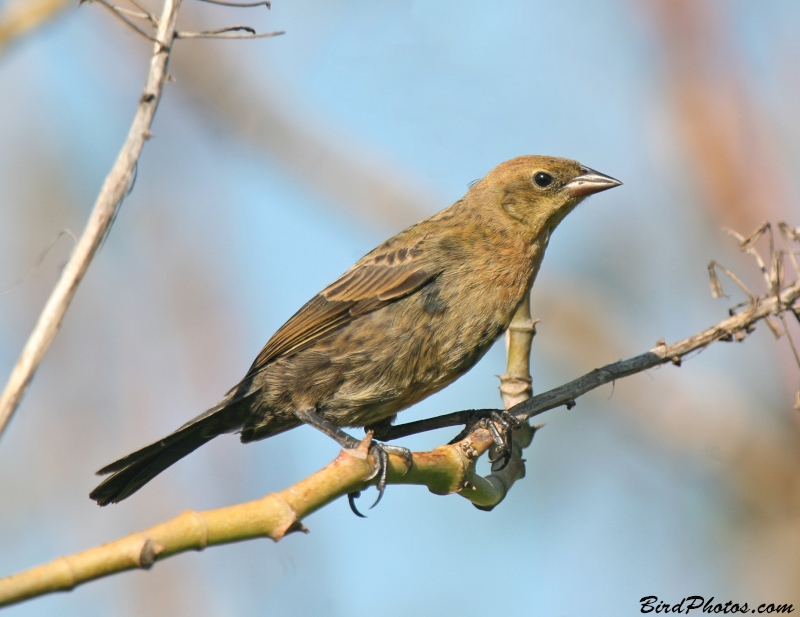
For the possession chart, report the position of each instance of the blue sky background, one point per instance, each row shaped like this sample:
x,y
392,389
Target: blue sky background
x,y
677,483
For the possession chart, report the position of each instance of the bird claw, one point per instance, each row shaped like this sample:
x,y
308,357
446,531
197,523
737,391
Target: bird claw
x,y
351,499
380,453
501,436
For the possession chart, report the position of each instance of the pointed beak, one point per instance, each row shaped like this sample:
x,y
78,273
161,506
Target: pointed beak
x,y
590,182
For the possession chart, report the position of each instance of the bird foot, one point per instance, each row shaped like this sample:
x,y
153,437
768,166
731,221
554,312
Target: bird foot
x,y
380,454
501,425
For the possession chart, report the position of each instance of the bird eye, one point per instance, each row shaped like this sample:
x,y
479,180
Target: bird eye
x,y
542,179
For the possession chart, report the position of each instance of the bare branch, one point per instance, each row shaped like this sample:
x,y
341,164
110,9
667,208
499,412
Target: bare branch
x,y
776,330
790,234
120,14
128,12
735,327
113,189
242,5
40,259
515,387
150,17
747,245
716,285
789,337
228,33
247,29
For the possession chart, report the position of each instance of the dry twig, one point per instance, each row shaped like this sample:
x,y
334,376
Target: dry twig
x,y
108,200
240,5
229,32
122,14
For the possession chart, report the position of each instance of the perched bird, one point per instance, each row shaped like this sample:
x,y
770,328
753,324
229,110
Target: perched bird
x,y
405,321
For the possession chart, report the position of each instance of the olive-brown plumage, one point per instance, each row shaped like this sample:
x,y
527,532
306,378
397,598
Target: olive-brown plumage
x,y
406,320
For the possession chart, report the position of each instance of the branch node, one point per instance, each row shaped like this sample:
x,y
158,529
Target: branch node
x,y
524,326
515,386
203,528
298,527
149,554
676,360
468,449
73,578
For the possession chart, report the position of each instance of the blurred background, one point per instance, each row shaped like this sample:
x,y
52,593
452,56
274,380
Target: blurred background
x,y
276,163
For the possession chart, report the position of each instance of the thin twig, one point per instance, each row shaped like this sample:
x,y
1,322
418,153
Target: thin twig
x,y
121,16
150,17
241,5
227,33
129,12
740,323
747,245
40,259
716,286
247,29
790,234
789,336
113,189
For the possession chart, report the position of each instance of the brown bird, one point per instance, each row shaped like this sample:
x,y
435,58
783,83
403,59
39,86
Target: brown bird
x,y
405,321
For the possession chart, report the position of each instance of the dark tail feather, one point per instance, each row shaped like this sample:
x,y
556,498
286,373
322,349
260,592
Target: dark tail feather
x,y
132,472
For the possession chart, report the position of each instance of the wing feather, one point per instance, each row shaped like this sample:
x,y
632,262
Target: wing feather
x,y
373,282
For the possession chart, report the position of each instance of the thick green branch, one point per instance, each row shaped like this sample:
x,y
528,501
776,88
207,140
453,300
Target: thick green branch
x,y
444,470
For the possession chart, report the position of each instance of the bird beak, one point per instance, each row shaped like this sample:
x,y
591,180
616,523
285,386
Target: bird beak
x,y
590,182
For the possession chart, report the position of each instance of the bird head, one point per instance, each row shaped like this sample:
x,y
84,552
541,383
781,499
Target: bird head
x,y
539,191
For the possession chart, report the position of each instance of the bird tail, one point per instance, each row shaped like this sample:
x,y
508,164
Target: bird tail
x,y
132,472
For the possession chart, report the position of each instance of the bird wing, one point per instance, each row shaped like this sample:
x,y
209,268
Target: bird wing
x,y
373,282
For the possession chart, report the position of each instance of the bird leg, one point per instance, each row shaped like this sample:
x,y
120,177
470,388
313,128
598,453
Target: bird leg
x,y
312,418
379,451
